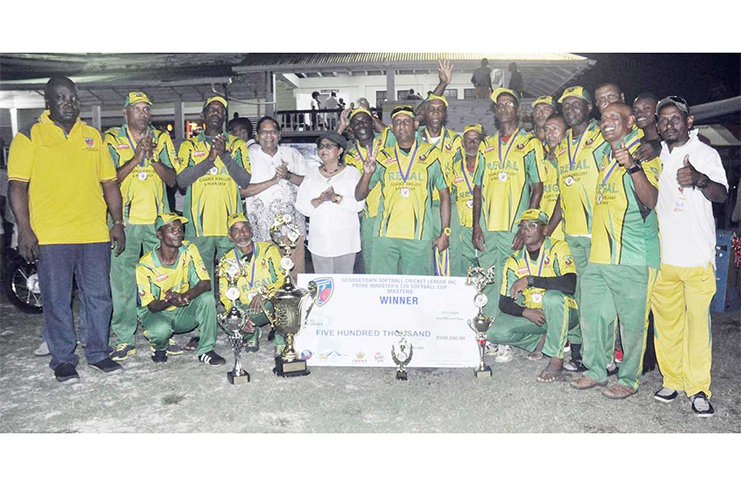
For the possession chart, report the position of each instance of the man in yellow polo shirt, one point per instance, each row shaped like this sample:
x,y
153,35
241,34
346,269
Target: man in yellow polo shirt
x,y
507,182
213,166
61,181
624,255
407,172
260,265
144,158
175,292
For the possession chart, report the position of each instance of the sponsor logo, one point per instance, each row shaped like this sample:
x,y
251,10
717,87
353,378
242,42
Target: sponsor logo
x,y
325,290
522,271
359,357
142,293
123,146
199,153
306,354
520,146
160,278
547,261
378,357
448,146
590,142
90,142
567,260
331,354
422,157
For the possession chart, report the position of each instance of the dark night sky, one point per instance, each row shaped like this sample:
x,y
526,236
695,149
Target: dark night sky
x,y
697,77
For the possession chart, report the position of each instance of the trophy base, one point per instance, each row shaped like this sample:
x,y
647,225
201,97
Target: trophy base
x,y
401,375
288,369
485,373
238,379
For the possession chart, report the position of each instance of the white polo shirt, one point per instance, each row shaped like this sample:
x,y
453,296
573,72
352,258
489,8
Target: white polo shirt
x,y
686,223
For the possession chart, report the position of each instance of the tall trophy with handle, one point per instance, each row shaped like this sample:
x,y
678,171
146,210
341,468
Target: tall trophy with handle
x,y
232,322
479,278
291,304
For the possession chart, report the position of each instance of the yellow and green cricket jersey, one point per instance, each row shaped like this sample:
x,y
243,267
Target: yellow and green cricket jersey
x,y
407,181
624,231
154,279
356,155
143,191
262,270
215,195
462,181
505,172
554,260
450,145
550,192
578,160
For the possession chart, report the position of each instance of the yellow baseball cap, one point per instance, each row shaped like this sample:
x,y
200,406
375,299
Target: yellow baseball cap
x,y
136,97
476,127
576,91
167,218
360,110
403,110
215,98
235,218
433,96
500,91
548,100
533,215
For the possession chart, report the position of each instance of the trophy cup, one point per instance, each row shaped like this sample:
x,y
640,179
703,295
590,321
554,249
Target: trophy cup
x,y
402,359
233,321
479,278
289,301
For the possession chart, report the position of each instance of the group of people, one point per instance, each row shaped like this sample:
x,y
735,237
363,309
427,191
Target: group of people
x,y
568,214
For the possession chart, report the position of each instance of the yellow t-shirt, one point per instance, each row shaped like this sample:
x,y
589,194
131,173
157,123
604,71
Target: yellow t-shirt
x,y
450,145
505,173
153,279
215,195
143,191
554,260
263,270
64,174
624,232
407,182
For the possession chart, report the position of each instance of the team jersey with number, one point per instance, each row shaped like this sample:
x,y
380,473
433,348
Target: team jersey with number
x,y
215,195
143,191
578,160
506,171
154,279
262,270
554,260
407,181
624,232
450,145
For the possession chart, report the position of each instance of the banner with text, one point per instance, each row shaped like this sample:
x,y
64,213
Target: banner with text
x,y
359,317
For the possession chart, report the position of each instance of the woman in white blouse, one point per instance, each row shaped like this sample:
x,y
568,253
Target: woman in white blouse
x,y
327,197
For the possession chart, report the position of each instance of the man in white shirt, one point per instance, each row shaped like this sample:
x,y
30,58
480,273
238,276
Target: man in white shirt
x,y
277,171
692,178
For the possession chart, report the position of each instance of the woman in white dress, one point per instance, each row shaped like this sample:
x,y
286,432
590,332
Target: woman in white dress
x,y
327,197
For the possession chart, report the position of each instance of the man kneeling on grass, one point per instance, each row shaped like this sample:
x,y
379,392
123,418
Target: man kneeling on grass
x,y
260,264
542,276
175,292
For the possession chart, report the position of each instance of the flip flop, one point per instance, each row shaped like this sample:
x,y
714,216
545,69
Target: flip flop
x,y
549,376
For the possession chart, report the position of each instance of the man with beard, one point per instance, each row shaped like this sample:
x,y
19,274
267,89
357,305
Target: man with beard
x,y
407,172
624,255
61,182
144,158
175,292
536,297
692,180
507,182
260,262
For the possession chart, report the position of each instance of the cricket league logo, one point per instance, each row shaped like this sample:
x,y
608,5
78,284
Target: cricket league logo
x,y
325,290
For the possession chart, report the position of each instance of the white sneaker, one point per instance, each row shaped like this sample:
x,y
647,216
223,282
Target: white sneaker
x,y
504,354
490,349
42,350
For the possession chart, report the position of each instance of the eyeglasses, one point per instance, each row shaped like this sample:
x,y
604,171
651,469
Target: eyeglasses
x,y
506,104
328,146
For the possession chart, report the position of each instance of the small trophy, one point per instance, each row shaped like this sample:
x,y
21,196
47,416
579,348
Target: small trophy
x,y
233,321
402,359
479,278
288,316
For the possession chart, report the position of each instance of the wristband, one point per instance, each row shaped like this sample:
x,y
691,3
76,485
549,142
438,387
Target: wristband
x,y
635,168
530,281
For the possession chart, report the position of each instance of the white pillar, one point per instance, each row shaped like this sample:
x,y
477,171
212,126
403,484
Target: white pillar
x,y
14,121
390,84
179,120
97,121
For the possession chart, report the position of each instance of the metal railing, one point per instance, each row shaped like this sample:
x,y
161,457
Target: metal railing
x,y
311,120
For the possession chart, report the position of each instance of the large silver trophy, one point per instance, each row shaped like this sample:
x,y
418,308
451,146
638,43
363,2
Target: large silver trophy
x,y
479,278
232,322
289,302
